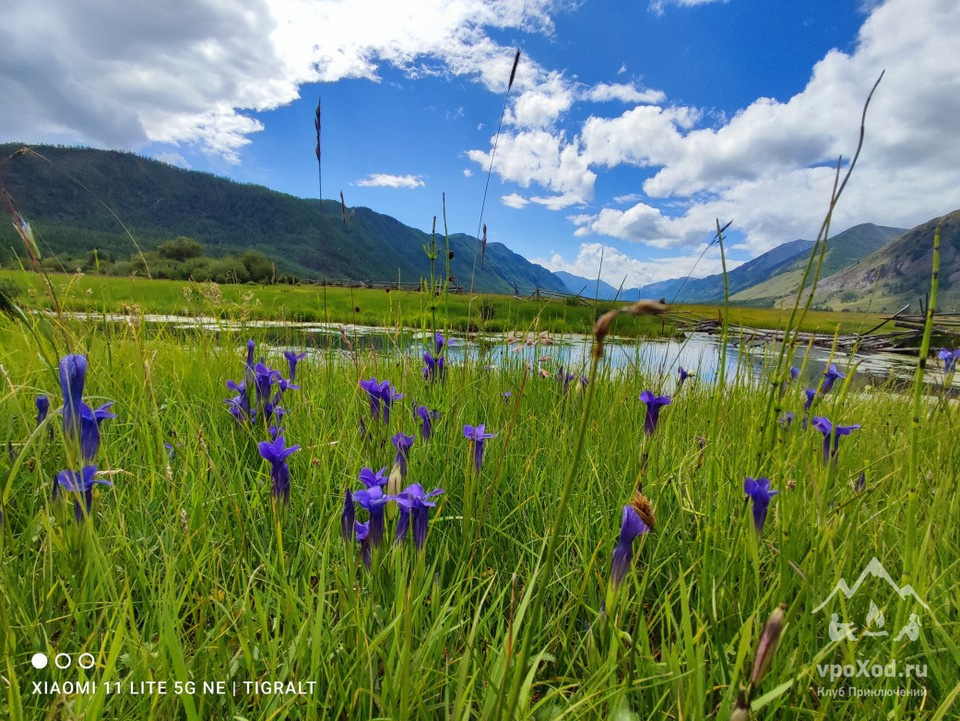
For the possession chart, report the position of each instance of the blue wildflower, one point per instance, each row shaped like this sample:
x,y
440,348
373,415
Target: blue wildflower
x,y
631,526
293,358
831,431
373,501
759,491
786,419
477,435
949,358
427,417
831,376
362,534
654,404
82,484
402,443
43,407
277,453
414,504
369,478
682,375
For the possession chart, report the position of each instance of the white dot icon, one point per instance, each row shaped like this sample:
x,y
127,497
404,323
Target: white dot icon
x,y
39,660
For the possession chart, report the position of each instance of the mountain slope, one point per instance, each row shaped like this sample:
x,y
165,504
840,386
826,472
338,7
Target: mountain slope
x,y
710,288
899,273
585,286
76,199
843,250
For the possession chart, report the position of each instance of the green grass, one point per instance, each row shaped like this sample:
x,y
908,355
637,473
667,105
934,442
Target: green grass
x,y
186,571
377,307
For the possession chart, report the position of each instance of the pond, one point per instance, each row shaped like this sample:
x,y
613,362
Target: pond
x,y
699,352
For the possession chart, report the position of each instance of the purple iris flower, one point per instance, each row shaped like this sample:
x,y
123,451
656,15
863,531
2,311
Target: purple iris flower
x,y
388,396
811,396
90,421
949,358
478,436
506,396
361,532
73,374
277,453
81,483
760,493
402,443
829,430
348,516
372,387
631,526
81,423
794,372
682,375
427,417
654,404
292,359
831,376
369,479
434,367
414,504
786,419
373,500
440,342
43,407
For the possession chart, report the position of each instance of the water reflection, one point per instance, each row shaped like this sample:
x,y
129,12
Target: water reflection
x,y
700,352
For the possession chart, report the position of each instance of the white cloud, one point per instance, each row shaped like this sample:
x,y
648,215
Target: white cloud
x,y
619,267
467,173
191,71
623,92
514,200
769,167
544,158
385,180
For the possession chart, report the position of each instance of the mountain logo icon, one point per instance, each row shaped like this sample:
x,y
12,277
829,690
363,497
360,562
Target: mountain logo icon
x,y
874,569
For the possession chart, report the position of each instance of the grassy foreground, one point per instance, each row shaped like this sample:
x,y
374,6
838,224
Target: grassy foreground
x,y
187,571
377,307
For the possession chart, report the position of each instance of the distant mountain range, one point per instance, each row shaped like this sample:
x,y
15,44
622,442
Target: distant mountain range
x,y
81,199
761,281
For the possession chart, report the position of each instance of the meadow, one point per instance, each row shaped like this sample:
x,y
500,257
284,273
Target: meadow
x,y
379,307
541,585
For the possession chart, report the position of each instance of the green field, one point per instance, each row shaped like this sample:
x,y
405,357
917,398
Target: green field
x,y
382,308
188,570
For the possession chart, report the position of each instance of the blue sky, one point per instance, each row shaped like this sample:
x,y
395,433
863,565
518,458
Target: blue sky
x,y
630,128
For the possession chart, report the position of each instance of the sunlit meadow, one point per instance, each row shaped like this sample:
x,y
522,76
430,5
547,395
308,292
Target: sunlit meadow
x,y
539,585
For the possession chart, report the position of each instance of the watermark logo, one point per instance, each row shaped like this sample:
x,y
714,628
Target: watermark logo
x,y
872,625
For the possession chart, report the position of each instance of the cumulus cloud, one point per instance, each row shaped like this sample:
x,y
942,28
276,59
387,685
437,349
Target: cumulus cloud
x,y
192,71
622,92
544,158
385,180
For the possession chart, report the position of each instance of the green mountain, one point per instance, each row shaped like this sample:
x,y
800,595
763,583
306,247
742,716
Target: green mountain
x,y
899,273
80,199
843,250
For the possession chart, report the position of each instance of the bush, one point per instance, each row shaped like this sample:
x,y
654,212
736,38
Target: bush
x,y
181,249
228,270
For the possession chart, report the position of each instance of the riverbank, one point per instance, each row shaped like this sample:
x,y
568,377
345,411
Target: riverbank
x,y
385,308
